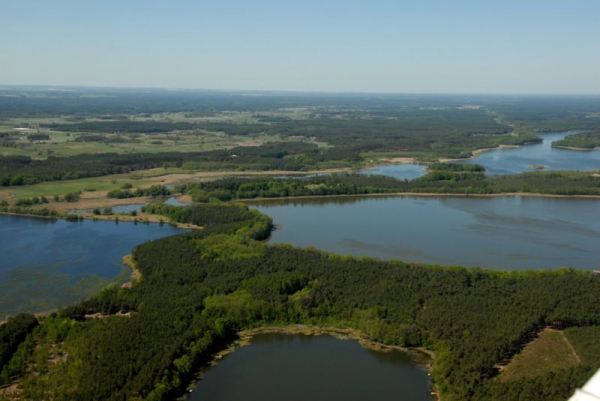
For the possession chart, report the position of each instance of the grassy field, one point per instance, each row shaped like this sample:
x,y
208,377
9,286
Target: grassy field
x,y
64,144
550,352
105,183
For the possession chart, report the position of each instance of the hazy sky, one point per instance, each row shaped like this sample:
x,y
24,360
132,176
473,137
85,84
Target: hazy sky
x,y
439,46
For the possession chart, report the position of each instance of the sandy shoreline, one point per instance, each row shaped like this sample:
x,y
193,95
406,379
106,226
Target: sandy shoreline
x,y
578,149
136,275
477,152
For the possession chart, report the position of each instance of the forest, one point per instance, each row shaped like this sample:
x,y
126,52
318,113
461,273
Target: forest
x,y
22,170
199,289
442,178
584,140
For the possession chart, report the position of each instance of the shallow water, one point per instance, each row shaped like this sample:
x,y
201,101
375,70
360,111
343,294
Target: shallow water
x,y
299,367
136,207
399,171
512,232
49,263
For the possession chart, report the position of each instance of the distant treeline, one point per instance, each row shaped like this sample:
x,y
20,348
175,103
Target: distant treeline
x,y
123,126
29,211
585,140
550,113
107,138
442,178
154,190
294,156
199,289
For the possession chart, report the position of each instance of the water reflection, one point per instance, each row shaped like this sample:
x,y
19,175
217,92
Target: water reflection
x,y
299,367
511,232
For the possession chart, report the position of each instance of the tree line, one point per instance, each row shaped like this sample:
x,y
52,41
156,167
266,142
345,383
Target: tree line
x,y
441,178
293,156
584,140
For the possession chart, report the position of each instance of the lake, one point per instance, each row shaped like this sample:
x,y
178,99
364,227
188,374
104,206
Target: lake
x,y
48,263
398,171
511,232
518,160
300,367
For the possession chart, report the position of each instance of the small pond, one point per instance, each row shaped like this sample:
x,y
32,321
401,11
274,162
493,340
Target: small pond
x,y
300,367
398,171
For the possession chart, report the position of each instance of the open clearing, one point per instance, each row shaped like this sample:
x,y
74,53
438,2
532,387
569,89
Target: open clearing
x,y
550,352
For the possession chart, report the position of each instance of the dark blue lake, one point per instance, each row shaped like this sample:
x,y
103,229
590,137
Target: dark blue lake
x,y
49,263
300,367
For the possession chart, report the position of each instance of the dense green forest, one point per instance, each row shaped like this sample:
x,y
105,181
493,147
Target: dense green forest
x,y
199,289
584,140
13,333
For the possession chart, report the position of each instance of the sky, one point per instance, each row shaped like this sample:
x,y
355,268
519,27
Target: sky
x,y
427,46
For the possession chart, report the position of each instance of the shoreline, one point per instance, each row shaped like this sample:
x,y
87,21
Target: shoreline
x,y
577,149
142,218
418,195
117,218
418,355
477,152
136,275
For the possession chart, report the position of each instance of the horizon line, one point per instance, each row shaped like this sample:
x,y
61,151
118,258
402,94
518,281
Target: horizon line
x,y
291,91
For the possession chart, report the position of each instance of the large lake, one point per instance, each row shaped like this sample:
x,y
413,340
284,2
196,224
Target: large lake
x,y
511,232
49,263
299,367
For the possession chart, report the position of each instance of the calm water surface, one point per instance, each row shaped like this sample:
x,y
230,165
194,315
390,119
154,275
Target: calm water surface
x,y
46,263
518,160
132,207
298,367
399,171
513,233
